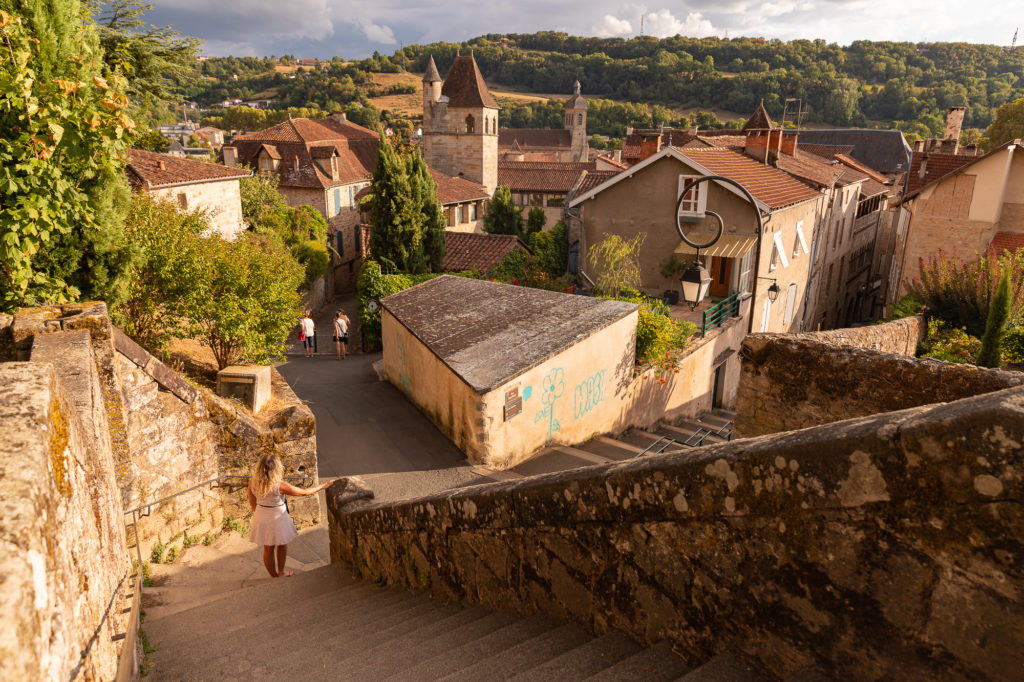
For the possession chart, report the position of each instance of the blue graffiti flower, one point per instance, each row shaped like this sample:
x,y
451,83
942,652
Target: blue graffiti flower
x,y
553,386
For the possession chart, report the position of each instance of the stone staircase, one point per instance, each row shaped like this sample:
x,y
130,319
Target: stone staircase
x,y
709,428
323,624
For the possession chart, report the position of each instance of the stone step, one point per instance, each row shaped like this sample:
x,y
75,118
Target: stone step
x,y
523,656
654,664
449,662
724,667
610,449
584,453
685,430
587,659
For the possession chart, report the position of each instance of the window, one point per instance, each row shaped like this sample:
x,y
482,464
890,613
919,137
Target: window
x,y
339,241
337,201
694,197
470,124
358,235
778,254
790,304
579,119
799,242
536,200
182,200
746,263
451,217
471,210
458,214
352,197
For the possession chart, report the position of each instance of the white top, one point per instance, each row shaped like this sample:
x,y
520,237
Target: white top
x,y
341,326
307,326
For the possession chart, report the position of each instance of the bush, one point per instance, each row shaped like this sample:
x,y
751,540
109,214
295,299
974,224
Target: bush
x,y
374,284
952,344
660,340
1013,346
313,254
551,249
908,306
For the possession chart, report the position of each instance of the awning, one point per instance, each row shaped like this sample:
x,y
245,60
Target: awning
x,y
727,246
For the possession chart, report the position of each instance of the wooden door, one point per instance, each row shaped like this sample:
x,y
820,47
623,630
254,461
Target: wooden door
x,y
721,268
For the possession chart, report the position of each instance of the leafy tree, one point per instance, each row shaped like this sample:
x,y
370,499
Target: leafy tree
x,y
1008,125
503,216
259,198
151,140
616,263
394,239
551,249
62,187
535,220
432,221
998,315
61,32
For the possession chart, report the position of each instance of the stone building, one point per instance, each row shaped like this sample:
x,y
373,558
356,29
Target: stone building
x,y
321,163
536,144
193,185
542,183
460,123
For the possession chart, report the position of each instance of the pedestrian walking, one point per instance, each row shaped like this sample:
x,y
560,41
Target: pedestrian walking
x,y
341,323
272,526
308,333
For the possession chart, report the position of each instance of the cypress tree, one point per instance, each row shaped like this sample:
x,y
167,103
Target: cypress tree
x,y
432,221
998,314
393,232
503,216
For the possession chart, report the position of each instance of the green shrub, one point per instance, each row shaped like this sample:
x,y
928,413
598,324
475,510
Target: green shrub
x,y
1013,346
908,306
952,344
374,284
172,554
660,340
157,556
551,249
313,254
995,326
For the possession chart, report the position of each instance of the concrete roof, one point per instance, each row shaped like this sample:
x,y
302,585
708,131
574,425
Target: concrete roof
x,y
488,333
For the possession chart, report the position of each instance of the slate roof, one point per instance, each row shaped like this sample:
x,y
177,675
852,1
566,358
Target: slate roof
x,y
937,166
431,74
885,151
455,190
488,333
546,138
540,176
306,139
770,185
465,86
824,150
144,171
1007,241
477,251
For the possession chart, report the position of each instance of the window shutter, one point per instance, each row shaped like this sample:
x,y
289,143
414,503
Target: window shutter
x,y
790,304
781,250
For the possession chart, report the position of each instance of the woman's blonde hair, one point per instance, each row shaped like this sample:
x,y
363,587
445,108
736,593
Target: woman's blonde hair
x,y
268,472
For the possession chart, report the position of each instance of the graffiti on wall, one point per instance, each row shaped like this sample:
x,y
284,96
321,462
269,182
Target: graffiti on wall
x,y
554,386
403,371
588,394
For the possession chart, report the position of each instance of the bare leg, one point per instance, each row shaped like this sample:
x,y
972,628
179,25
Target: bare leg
x,y
268,560
337,349
344,350
282,556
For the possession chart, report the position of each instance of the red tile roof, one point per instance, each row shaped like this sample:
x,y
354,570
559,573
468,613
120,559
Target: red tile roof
x,y
455,190
477,251
540,176
812,169
1007,241
611,161
534,138
592,179
936,166
634,149
770,185
306,139
848,160
149,170
465,87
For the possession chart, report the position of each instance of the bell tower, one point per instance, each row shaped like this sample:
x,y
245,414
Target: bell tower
x,y
576,124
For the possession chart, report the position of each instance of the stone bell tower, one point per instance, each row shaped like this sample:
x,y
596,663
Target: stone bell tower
x,y
460,123
576,124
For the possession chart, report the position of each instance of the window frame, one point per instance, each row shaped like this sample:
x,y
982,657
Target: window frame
x,y
700,202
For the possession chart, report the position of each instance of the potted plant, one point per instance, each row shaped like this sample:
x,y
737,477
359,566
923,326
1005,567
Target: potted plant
x,y
671,269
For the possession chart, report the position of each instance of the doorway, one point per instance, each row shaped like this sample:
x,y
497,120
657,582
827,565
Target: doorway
x,y
721,268
718,387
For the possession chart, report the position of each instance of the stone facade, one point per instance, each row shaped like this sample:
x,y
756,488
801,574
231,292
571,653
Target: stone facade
x,y
843,547
221,199
793,382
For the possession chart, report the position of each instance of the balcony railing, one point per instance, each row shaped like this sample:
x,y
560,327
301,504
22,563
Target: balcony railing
x,y
718,314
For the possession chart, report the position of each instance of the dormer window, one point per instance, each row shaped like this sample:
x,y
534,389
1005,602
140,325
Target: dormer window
x,y
470,124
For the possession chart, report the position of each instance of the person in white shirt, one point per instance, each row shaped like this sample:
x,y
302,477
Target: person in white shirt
x,y
308,332
341,323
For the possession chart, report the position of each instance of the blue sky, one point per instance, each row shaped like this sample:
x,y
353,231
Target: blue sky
x,y
325,28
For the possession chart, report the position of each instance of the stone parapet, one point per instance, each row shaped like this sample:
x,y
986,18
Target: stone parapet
x,y
875,548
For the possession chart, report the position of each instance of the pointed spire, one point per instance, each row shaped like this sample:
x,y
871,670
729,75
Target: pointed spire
x,y
431,76
576,88
759,120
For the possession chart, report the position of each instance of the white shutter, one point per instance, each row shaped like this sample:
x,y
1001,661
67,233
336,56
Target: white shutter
x,y
790,304
781,250
800,236
764,315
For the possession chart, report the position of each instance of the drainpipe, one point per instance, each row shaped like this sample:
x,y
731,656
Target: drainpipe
x,y
761,225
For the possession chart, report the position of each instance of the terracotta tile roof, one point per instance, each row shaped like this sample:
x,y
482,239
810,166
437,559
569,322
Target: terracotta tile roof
x,y
455,190
306,139
477,251
759,120
810,168
634,149
770,185
526,176
148,170
848,160
612,162
723,140
272,151
936,166
592,179
534,137
465,87
871,187
1007,241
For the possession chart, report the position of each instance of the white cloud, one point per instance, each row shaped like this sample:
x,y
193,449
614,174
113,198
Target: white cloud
x,y
376,33
613,26
663,24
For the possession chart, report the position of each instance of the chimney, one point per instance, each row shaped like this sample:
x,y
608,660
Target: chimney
x,y
618,155
230,156
340,117
161,165
922,170
954,122
919,146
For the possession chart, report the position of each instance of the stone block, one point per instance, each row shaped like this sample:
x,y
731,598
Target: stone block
x,y
249,384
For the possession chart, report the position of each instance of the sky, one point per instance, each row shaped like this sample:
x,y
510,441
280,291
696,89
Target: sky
x,y
351,29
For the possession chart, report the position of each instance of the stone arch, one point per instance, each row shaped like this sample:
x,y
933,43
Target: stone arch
x,y
470,123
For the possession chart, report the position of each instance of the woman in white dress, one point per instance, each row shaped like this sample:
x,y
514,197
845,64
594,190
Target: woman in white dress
x,y
272,527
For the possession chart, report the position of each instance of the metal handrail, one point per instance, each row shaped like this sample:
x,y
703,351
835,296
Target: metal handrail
x,y
720,312
99,627
213,483
667,442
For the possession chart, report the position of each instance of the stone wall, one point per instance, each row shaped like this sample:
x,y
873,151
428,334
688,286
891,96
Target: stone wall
x,y
899,336
221,199
790,383
883,547
63,557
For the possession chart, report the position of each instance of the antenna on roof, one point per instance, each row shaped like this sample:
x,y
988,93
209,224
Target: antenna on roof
x,y
1013,43
641,24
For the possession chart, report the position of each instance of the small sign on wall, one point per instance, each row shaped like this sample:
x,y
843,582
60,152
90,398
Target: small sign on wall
x,y
513,403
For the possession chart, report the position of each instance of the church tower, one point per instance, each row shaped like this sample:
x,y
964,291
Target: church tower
x,y
460,123
576,124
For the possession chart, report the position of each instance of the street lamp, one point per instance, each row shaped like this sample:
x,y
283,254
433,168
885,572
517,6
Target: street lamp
x,y
773,290
696,280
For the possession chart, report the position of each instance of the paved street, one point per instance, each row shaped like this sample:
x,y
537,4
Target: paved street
x,y
367,427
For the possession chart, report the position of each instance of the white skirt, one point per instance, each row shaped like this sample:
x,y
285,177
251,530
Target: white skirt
x,y
272,526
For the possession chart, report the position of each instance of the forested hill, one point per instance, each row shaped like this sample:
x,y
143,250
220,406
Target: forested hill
x,y
909,85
